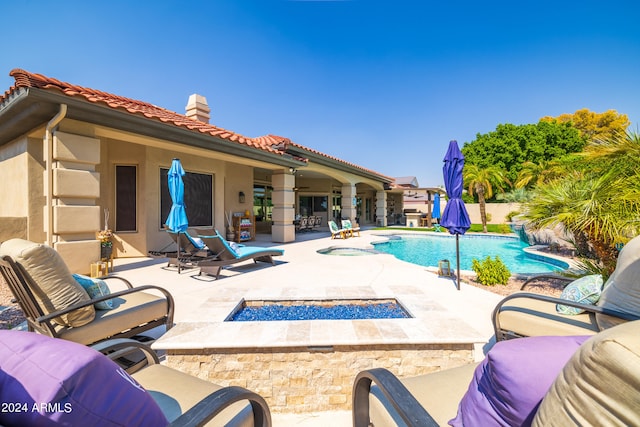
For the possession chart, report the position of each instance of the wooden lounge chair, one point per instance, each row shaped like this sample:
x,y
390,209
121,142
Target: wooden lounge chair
x,y
227,255
538,381
190,251
346,224
335,231
80,385
54,304
528,314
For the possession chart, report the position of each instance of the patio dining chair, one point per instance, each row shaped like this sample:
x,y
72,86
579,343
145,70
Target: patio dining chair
x,y
528,314
311,221
302,224
538,381
95,387
55,304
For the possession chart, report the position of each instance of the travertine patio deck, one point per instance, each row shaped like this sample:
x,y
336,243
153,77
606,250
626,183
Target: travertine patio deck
x,y
449,327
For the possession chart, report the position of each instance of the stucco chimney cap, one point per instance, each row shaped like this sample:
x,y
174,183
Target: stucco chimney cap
x,y
197,108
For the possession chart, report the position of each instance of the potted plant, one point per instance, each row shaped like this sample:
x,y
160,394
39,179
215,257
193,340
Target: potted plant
x,y
106,245
231,235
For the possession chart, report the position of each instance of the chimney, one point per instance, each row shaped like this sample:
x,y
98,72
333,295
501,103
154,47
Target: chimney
x,y
198,109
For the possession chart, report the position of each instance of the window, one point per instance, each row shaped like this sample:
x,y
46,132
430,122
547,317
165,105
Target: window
x,y
126,189
198,198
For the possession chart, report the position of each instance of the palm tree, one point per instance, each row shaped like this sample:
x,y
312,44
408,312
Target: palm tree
x,y
481,181
599,202
533,174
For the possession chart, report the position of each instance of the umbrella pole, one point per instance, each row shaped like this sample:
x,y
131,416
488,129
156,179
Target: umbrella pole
x,y
458,260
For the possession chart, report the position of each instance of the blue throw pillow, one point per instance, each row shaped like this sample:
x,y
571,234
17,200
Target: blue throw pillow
x,y
95,288
509,385
585,290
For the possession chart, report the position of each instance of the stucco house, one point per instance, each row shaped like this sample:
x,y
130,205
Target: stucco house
x,y
71,155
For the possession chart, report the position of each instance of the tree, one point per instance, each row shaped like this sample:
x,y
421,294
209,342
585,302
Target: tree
x,y
509,146
481,181
594,126
533,174
599,201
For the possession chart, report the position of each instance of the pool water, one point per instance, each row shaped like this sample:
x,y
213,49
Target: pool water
x,y
428,250
333,310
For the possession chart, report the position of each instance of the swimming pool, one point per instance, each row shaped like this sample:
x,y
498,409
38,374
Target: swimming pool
x,y
428,250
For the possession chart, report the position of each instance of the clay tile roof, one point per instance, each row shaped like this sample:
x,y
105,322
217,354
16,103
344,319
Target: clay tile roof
x,y
132,106
282,143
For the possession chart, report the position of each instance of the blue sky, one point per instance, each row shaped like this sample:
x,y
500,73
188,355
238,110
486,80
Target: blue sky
x,y
383,84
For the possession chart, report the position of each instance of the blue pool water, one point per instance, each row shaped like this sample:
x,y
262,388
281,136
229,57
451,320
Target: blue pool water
x,y
428,250
386,310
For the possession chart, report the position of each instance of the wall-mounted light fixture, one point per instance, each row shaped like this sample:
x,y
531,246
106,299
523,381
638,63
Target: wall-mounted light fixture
x,y
241,197
292,171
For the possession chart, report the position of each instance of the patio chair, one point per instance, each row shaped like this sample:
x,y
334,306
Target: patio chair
x,y
55,304
302,224
528,314
335,231
346,224
318,222
538,381
64,383
311,221
226,255
190,250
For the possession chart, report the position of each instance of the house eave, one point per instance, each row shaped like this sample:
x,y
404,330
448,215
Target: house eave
x,y
28,108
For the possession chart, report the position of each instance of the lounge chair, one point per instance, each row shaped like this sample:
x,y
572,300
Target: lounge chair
x,y
346,224
335,231
190,250
539,381
225,254
55,304
63,383
528,314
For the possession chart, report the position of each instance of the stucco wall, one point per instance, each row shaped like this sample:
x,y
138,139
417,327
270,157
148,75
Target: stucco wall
x,y
14,188
21,192
498,212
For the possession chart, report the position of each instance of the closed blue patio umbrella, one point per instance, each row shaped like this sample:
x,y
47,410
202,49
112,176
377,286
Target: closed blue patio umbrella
x,y
455,217
177,218
436,206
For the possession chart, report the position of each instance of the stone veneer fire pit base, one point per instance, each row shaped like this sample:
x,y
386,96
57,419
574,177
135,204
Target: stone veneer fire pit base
x,y
308,379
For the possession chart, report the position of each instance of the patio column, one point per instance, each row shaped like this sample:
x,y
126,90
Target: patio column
x,y
283,199
348,204
381,208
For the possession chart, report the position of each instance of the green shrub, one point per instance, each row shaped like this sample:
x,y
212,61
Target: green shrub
x,y
504,229
491,272
511,214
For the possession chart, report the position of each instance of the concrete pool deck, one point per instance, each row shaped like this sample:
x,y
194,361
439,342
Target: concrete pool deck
x,y
442,315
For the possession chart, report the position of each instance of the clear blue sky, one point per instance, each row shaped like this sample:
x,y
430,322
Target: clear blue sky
x,y
383,84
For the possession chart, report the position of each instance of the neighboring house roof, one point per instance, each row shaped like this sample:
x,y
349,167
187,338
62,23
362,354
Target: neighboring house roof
x,y
406,181
286,145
